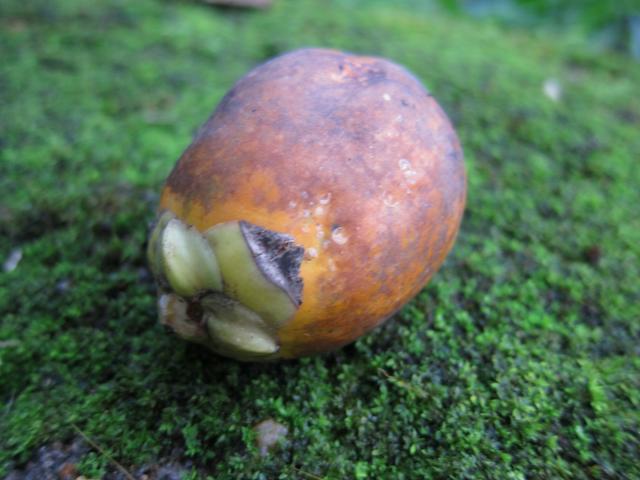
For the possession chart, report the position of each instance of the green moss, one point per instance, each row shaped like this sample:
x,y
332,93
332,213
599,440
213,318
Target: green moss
x,y
520,360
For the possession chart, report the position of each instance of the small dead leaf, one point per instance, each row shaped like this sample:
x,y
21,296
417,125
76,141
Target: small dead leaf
x,y
12,260
268,434
68,471
552,89
592,254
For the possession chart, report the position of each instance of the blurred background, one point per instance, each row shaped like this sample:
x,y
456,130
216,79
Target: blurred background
x,y
604,24
520,359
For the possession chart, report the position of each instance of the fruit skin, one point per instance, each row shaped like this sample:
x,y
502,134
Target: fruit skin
x,y
355,160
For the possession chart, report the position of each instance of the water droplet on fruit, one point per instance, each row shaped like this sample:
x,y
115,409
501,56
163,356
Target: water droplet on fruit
x,y
404,164
410,177
339,236
407,171
389,200
325,199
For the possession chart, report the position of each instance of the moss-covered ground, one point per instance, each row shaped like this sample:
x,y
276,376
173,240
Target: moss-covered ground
x,y
519,360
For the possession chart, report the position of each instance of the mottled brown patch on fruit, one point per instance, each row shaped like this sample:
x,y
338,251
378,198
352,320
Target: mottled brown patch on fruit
x,y
361,131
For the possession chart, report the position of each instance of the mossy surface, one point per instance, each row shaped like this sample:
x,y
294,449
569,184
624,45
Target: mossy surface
x,y
519,360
